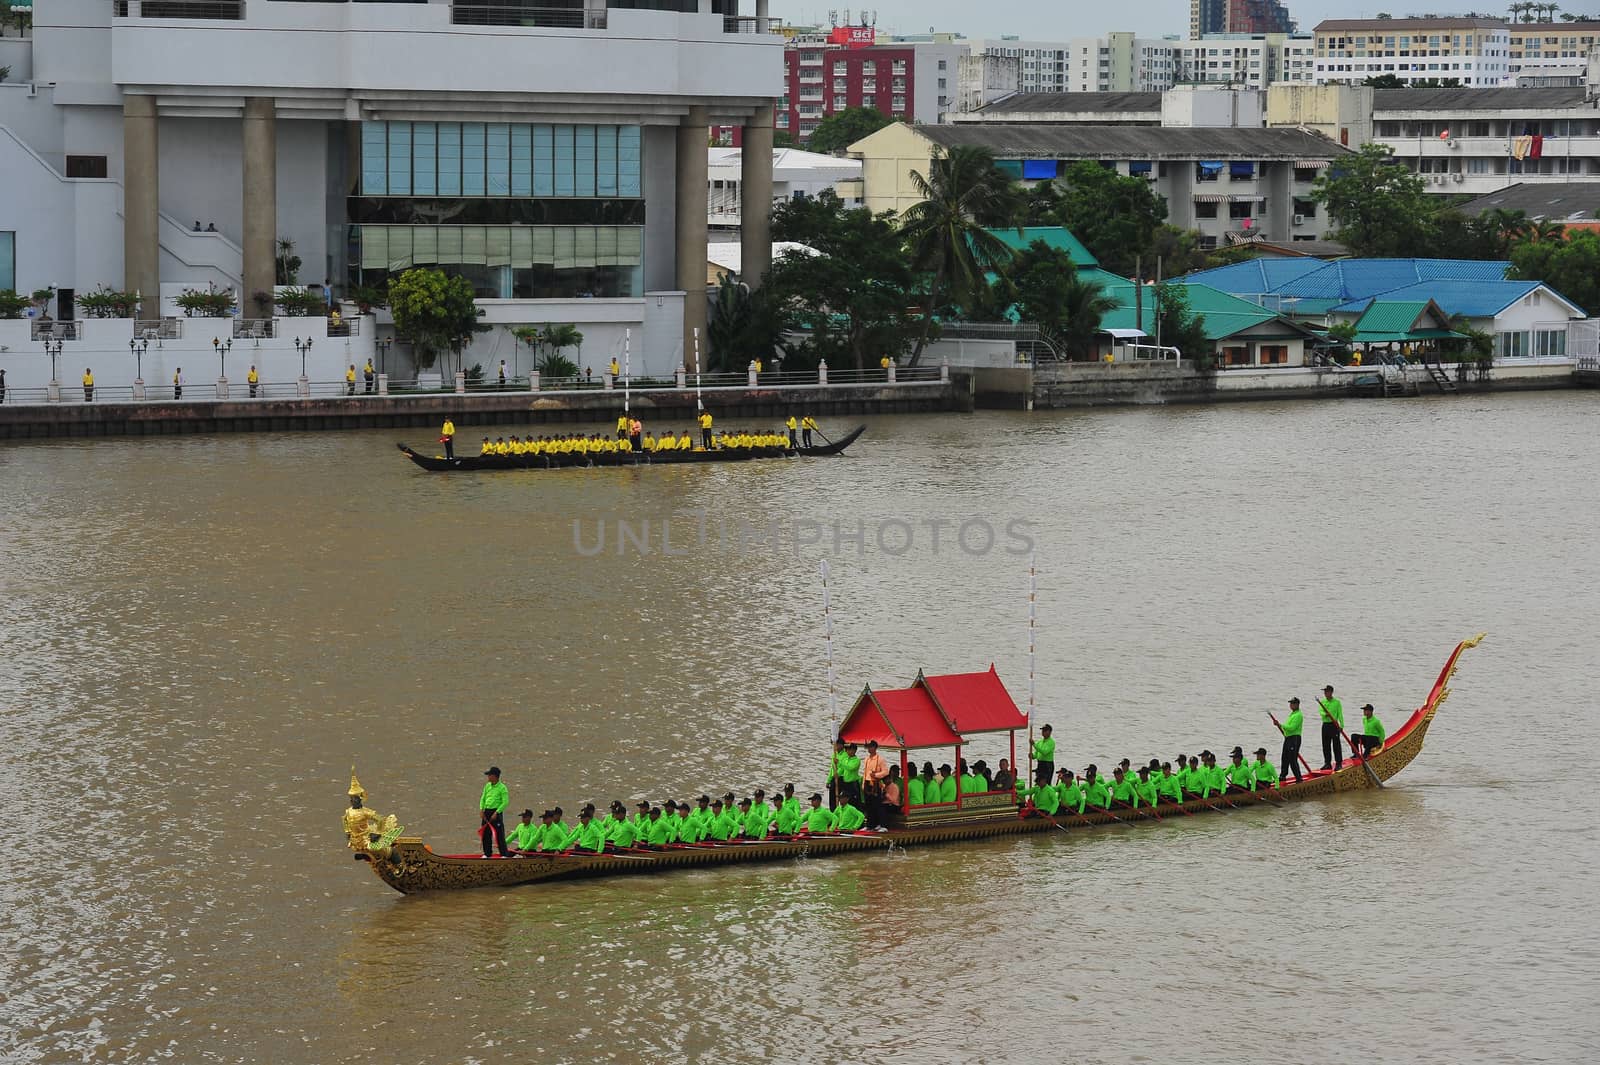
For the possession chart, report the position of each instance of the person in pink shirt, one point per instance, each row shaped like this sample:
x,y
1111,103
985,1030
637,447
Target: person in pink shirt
x,y
874,771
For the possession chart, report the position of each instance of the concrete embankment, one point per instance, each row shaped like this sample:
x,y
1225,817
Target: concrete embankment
x,y
657,406
1061,385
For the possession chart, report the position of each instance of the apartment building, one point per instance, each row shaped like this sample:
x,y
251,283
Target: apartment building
x,y
1117,62
1546,49
1479,140
1238,16
914,81
1241,59
1477,51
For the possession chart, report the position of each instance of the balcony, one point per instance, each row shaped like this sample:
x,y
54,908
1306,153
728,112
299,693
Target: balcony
x,y
468,14
229,10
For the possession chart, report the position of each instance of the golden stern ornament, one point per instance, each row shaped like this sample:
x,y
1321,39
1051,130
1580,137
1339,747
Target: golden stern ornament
x,y
366,831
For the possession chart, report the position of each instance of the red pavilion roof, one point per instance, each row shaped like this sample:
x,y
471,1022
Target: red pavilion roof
x,y
901,718
973,702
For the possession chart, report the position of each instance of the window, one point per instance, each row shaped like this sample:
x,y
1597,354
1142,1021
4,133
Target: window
x,y
899,103
499,160
86,166
8,260
1550,343
1274,354
1205,209
1236,356
1510,345
1243,209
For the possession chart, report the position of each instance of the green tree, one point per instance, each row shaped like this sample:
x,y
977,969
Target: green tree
x,y
286,264
744,325
1177,250
843,128
1379,205
12,303
1571,267
434,311
1115,216
853,298
1179,327
946,235
1043,282
1084,304
782,138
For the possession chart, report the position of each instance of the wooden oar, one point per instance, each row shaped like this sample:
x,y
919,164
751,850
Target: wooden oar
x,y
1135,809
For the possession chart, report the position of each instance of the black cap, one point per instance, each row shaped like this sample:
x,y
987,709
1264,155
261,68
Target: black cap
x,y
1238,752
492,771
1369,707
1295,701
1329,688
644,804
527,813
1262,751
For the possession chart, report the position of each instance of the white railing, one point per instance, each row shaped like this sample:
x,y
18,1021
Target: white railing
x,y
53,330
158,329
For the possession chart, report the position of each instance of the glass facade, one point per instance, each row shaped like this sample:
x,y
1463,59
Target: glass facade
x,y
8,260
538,210
499,159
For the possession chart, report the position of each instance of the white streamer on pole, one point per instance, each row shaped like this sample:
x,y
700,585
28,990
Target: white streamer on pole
x,y
827,636
698,405
1033,595
627,367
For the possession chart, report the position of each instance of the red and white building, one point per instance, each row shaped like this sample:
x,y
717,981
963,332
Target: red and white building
x,y
914,81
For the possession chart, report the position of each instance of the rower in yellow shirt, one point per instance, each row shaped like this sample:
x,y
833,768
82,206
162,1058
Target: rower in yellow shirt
x,y
625,445
684,443
649,443
488,447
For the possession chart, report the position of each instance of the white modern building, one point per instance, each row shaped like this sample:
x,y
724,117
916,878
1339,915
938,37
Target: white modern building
x,y
1117,62
796,174
1475,141
552,152
1255,62
1477,51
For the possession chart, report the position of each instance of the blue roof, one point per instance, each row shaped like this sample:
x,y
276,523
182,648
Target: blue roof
x,y
1353,279
1474,299
1255,276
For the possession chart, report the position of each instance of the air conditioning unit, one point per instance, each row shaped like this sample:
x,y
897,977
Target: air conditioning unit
x,y
1451,143
1458,178
1299,219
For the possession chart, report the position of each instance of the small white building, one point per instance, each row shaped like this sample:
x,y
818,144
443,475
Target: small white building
x,y
795,174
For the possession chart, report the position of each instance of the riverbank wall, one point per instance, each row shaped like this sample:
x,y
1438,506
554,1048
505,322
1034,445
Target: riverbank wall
x,y
1049,386
656,406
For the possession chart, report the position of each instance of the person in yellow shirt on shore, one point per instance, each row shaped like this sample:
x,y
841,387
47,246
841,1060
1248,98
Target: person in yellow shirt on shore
x,y
253,379
350,380
88,385
615,369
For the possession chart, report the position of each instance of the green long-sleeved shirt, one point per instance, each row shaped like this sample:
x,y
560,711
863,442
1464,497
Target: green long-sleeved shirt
x,y
623,834
820,819
1331,710
1371,726
947,789
1168,787
525,837
1216,778
1148,793
914,791
1072,796
495,797
1294,724
1044,749
1125,791
659,833
788,820
1045,798
848,818
689,830
1241,776
755,823
1264,773
591,837
849,768
724,825
557,836
1097,794
972,784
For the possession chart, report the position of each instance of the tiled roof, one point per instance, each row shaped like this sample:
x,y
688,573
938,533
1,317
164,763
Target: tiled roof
x,y
1025,103
1568,201
1143,143
1057,237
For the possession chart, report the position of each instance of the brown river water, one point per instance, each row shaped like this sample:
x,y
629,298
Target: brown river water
x,y
201,635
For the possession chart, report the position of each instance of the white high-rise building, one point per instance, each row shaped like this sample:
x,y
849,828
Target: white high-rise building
x,y
1475,51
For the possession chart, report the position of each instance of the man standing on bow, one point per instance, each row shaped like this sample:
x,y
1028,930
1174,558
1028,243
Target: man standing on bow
x,y
491,814
1332,729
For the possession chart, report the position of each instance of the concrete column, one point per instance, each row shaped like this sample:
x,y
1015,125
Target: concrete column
x,y
822,372
141,197
763,11
691,223
755,204
383,384
533,380
260,204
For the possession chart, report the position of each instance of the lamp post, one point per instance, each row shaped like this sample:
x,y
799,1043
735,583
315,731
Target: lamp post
x,y
138,346
53,348
383,347
222,347
303,346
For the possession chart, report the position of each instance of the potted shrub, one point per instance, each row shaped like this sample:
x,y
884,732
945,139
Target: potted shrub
x,y
13,304
198,304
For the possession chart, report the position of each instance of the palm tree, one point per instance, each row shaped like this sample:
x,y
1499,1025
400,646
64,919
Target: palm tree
x,y
1546,229
1083,305
945,234
1505,227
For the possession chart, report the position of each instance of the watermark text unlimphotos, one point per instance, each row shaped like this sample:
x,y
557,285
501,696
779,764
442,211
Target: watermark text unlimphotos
x,y
699,532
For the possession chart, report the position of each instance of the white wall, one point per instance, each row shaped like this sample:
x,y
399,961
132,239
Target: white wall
x,y
104,347
655,332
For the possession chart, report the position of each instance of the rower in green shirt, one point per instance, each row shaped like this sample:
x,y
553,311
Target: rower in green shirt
x,y
1045,798
491,814
753,822
1095,791
723,824
525,835
1240,775
688,825
658,832
819,820
1072,796
1372,733
623,835
1123,791
1216,775
789,819
1261,769
1293,726
1168,786
1146,787
849,819
589,837
1044,758
1332,713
